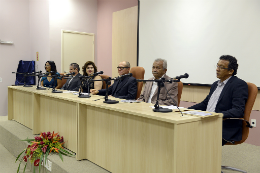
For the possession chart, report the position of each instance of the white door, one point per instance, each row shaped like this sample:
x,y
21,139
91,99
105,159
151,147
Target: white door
x,y
77,47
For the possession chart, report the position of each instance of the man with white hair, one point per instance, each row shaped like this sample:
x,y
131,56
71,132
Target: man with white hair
x,y
168,93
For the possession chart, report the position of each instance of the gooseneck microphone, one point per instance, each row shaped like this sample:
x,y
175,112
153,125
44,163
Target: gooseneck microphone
x,y
97,73
186,75
70,74
123,76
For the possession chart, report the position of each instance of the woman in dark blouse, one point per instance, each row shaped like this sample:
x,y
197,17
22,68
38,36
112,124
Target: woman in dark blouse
x,y
88,69
48,81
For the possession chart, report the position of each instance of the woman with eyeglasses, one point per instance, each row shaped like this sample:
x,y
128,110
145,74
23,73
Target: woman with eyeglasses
x,y
89,69
48,80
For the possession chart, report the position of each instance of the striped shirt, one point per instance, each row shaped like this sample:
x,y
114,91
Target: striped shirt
x,y
215,96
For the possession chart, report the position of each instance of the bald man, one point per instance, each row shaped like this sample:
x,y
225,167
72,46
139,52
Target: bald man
x,y
125,88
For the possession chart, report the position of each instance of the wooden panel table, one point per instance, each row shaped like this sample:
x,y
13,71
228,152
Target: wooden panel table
x,y
124,137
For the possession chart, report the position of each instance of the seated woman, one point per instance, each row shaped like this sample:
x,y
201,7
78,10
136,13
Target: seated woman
x,y
48,81
88,69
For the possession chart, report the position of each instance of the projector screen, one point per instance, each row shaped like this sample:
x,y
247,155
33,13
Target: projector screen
x,y
192,34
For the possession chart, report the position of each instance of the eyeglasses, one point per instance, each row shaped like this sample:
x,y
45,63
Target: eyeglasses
x,y
220,67
47,65
121,68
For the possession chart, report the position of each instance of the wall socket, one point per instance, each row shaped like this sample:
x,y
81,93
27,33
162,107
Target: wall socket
x,y
0,79
253,122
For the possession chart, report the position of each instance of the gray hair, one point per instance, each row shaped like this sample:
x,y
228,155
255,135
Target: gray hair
x,y
127,64
75,65
164,62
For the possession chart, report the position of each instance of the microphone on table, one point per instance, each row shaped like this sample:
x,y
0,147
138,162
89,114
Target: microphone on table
x,y
70,74
97,73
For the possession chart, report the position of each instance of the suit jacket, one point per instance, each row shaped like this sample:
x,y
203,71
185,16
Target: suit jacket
x,y
231,103
164,98
124,89
74,84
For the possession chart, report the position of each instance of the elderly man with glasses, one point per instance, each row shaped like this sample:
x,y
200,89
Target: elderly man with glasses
x,y
126,88
228,95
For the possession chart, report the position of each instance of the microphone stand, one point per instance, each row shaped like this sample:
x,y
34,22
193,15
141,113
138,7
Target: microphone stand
x,y
55,77
24,76
108,82
160,83
80,91
39,78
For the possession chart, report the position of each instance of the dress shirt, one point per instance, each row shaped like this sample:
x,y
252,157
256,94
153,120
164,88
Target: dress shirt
x,y
154,87
71,80
215,96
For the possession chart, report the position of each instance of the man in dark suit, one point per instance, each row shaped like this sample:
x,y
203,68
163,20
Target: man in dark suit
x,y
168,93
227,96
126,88
73,84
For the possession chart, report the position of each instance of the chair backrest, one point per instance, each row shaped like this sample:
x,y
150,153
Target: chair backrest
x,y
103,76
180,87
63,81
138,73
252,93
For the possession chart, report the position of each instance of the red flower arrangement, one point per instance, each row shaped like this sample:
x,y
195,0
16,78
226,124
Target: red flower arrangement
x,y
40,147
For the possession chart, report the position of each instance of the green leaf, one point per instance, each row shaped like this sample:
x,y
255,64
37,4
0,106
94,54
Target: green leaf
x,y
46,154
25,167
60,156
66,153
19,167
40,164
19,155
28,140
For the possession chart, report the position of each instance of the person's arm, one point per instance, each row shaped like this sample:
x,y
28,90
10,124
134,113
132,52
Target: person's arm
x,y
77,88
59,84
172,94
142,94
98,84
94,91
203,105
132,90
239,98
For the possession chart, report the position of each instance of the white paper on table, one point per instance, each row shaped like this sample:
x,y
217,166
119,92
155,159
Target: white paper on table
x,y
81,93
197,113
131,101
69,91
169,107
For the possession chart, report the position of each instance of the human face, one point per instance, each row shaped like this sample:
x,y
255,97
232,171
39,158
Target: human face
x,y
122,69
158,70
47,67
73,70
222,70
90,70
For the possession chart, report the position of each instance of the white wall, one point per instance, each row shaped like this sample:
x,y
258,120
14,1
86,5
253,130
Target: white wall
x,y
74,15
39,32
14,26
192,35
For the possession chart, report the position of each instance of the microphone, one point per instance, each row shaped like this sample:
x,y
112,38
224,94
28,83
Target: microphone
x,y
70,74
97,73
186,75
123,76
